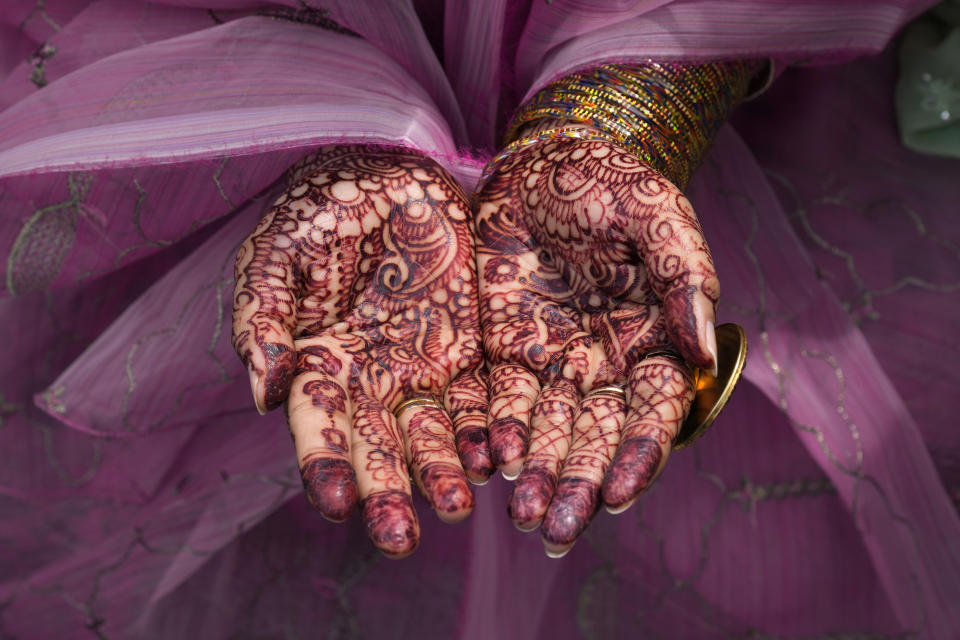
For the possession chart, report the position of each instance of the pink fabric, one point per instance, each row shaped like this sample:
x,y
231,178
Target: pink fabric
x,y
142,496
704,29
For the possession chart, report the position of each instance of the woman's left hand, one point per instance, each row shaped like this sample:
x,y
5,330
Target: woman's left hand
x,y
593,272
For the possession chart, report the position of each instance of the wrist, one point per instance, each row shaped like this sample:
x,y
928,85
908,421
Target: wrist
x,y
667,114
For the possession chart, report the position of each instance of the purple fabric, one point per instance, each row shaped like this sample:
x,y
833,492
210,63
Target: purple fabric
x,y
141,496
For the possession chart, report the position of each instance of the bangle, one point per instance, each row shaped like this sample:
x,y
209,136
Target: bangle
x,y
667,114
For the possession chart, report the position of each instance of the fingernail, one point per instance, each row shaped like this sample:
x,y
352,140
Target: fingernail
x,y
255,387
711,341
557,553
509,477
618,510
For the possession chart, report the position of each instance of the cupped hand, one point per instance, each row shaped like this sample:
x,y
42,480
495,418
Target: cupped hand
x,y
357,291
593,272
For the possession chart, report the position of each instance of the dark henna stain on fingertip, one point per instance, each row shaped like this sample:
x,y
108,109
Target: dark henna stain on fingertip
x,y
280,365
331,487
531,495
508,440
573,506
682,328
446,487
631,471
391,522
474,452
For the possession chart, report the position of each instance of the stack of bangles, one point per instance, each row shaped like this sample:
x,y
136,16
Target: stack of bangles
x,y
665,113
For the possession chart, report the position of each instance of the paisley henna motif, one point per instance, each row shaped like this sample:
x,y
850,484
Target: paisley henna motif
x,y
357,290
588,260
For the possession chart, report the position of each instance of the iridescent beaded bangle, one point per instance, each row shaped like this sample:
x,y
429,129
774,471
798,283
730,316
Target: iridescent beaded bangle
x,y
665,113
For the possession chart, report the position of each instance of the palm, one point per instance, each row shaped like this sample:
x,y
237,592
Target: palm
x,y
588,261
363,269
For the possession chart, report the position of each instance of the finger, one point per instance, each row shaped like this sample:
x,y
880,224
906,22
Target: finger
x,y
627,333
551,427
659,393
680,268
433,461
382,479
466,400
596,433
319,415
264,312
586,364
513,390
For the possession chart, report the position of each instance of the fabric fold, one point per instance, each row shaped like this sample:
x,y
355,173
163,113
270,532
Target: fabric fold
x,y
97,185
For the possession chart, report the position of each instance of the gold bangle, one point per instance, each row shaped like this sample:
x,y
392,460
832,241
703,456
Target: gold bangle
x,y
666,114
420,401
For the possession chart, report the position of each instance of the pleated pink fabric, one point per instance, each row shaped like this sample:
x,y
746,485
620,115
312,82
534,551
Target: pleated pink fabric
x,y
141,496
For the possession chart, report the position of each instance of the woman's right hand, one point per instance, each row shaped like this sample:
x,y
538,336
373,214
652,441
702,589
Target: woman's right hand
x,y
358,291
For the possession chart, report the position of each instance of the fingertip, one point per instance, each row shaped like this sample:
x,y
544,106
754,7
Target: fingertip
x,y
454,517
447,490
508,444
331,487
391,523
280,360
573,506
530,498
687,314
510,470
633,468
474,452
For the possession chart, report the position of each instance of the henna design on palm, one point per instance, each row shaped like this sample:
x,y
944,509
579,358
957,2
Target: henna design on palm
x,y
358,290
588,260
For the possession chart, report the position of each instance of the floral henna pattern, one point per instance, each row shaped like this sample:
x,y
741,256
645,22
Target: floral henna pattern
x,y
356,291
588,261
579,240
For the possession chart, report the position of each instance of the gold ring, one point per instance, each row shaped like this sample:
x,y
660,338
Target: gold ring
x,y
664,353
712,392
608,389
421,401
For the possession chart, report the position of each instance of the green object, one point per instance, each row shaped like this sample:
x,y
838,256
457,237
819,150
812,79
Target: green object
x,y
928,89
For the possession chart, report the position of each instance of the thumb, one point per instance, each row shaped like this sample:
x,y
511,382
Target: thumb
x,y
264,315
681,272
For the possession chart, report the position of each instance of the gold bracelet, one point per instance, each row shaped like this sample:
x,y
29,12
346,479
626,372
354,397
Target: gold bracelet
x,y
667,114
